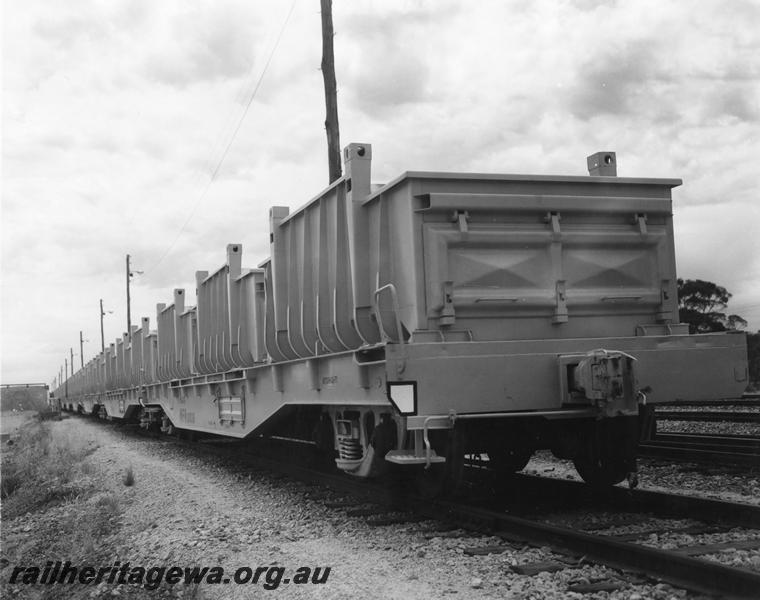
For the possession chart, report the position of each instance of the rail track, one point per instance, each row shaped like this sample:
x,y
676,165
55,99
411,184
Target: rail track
x,y
681,567
708,416
715,441
515,509
721,449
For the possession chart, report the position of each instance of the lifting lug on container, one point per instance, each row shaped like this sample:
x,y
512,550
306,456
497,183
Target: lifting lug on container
x,y
553,218
641,220
461,217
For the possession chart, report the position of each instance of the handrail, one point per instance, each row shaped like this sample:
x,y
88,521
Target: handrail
x,y
376,308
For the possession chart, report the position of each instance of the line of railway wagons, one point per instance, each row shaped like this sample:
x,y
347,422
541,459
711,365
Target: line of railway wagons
x,y
436,316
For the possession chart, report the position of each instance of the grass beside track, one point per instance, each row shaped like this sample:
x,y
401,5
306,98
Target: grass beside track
x,y
42,466
47,469
59,503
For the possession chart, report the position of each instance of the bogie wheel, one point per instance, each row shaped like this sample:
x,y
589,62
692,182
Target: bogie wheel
x,y
509,460
608,451
601,471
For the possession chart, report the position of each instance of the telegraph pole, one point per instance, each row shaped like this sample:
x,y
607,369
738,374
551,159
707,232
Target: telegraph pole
x,y
66,370
72,361
331,92
129,311
102,337
81,349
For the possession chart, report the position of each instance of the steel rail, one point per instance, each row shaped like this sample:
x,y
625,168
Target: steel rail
x,y
721,440
710,448
747,400
684,571
705,455
706,509
579,494
694,415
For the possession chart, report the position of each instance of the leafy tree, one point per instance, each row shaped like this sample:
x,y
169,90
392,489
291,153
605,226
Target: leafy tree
x,y
702,305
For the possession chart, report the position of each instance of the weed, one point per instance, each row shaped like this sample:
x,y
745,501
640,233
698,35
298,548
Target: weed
x,y
191,592
41,469
10,480
103,519
129,477
109,504
46,470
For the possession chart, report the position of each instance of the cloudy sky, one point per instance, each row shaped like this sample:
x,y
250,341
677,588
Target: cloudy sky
x,y
117,113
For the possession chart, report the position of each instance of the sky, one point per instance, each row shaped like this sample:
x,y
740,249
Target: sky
x,y
165,130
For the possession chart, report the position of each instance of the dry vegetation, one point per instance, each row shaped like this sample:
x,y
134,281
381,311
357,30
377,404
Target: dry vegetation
x,y
42,466
45,481
59,503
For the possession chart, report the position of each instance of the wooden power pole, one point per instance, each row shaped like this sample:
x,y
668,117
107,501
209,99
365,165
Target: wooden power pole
x,y
331,92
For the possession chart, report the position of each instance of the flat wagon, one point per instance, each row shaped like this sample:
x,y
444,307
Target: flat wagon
x,y
436,316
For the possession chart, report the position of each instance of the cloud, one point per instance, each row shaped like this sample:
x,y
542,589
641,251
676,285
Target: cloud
x,y
612,81
107,143
59,141
385,59
591,5
734,100
116,113
68,30
389,82
203,45
737,267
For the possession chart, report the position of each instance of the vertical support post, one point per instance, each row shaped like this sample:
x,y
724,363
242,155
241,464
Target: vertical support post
x,y
72,361
129,311
81,350
183,343
144,351
358,162
66,370
112,365
279,275
234,266
331,92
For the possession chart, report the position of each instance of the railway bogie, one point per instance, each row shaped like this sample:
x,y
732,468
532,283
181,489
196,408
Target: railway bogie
x,y
442,314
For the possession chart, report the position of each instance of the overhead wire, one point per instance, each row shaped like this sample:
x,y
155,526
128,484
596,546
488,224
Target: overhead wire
x,y
215,172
